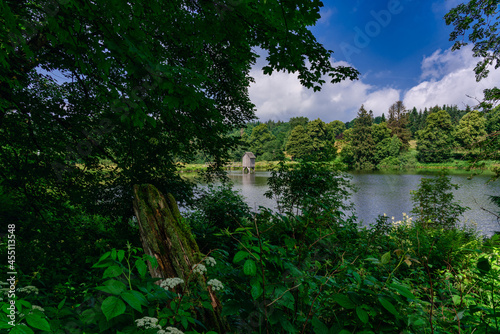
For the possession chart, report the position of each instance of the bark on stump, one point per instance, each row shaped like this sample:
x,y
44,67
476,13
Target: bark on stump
x,y
165,236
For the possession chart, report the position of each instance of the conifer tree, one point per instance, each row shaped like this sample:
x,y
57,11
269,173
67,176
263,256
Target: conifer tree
x,y
362,143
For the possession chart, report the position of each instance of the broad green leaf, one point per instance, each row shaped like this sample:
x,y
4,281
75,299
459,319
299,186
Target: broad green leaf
x,y
388,306
362,315
240,256
121,255
319,327
288,327
249,268
386,258
134,299
112,307
36,321
112,286
256,290
456,299
113,254
61,304
112,271
141,266
104,256
344,301
403,291
21,329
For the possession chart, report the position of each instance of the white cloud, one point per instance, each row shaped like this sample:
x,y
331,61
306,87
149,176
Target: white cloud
x,y
281,96
448,78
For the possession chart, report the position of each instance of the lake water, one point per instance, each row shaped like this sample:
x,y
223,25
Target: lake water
x,y
389,193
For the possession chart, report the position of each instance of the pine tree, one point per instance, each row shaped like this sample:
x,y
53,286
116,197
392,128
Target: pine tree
x,y
398,121
362,143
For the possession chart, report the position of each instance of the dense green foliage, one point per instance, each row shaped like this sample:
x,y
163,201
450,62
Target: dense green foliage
x,y
435,142
314,271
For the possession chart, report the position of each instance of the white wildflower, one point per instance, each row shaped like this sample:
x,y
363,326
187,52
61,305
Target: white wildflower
x,y
216,284
199,268
171,330
36,307
210,261
29,289
170,283
148,322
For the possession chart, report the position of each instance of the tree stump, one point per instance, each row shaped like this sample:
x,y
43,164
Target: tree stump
x,y
165,236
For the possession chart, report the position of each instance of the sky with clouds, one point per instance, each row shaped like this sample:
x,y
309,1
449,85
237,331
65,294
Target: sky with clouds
x,y
401,48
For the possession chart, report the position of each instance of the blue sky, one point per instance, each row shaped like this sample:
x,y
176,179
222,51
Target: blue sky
x,y
402,50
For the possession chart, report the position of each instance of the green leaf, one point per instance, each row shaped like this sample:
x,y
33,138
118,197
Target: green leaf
x,y
134,299
21,329
362,315
112,286
141,266
113,307
344,301
61,304
403,291
241,255
386,258
287,326
121,255
36,321
104,256
388,306
249,268
256,290
318,326
112,271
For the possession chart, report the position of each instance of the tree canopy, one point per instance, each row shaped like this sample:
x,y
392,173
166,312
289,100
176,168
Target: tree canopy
x,y
140,84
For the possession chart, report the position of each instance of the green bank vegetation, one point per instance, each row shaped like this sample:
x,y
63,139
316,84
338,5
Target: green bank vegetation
x,y
97,97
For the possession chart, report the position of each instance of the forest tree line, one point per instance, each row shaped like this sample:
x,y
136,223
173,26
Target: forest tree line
x,y
370,142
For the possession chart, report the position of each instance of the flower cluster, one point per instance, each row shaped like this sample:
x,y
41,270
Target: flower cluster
x,y
29,289
170,330
152,323
215,284
39,308
407,221
199,269
170,283
210,261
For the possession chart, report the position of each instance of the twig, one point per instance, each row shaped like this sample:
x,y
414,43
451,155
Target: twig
x,y
274,301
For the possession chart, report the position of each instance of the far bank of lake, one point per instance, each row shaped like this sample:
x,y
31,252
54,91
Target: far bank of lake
x,y
389,192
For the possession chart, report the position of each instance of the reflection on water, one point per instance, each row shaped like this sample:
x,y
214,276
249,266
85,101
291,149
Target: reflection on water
x,y
389,193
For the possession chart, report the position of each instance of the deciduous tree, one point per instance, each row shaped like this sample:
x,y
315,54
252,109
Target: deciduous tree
x,y
435,141
470,129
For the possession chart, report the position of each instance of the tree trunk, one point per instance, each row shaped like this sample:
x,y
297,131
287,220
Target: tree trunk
x,y
165,236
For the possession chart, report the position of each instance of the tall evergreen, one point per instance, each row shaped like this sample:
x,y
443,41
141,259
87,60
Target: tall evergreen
x,y
398,121
362,143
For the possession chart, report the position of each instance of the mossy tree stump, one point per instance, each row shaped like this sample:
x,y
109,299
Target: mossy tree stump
x,y
166,237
